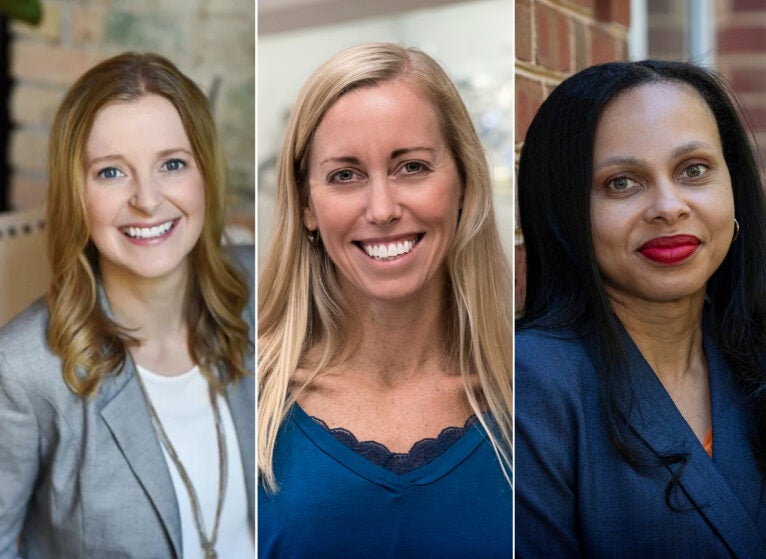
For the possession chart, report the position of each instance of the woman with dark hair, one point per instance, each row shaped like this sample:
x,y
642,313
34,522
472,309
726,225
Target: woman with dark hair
x,y
127,396
641,352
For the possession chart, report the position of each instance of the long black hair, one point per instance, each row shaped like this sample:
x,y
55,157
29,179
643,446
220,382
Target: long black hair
x,y
565,289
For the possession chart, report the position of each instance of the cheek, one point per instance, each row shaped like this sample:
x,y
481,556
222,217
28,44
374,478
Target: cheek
x,y
98,208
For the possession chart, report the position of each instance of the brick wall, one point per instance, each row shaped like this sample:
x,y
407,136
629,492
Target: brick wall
x,y
208,39
740,56
555,39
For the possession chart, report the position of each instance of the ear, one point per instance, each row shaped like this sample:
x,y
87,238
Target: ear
x,y
309,219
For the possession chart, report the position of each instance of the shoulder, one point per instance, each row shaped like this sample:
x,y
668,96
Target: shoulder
x,y
554,367
25,357
243,258
25,336
550,351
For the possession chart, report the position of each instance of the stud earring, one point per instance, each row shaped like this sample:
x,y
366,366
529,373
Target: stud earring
x,y
313,237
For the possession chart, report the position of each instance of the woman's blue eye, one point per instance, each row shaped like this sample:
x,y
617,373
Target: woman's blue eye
x,y
173,165
110,173
344,175
413,167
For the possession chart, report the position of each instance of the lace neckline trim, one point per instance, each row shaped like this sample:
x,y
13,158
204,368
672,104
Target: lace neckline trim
x,y
422,452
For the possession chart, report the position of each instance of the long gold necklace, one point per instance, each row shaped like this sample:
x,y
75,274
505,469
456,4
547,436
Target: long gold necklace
x,y
207,544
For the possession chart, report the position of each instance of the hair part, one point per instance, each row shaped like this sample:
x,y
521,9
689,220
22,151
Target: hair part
x,y
90,344
300,302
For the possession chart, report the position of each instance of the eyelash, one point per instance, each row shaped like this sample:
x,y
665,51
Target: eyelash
x,y
103,172
422,167
181,165
335,176
704,168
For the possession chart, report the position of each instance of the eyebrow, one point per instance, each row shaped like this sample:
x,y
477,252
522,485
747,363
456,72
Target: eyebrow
x,y
394,154
161,154
632,161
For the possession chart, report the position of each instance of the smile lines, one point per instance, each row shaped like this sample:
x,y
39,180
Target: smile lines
x,y
148,232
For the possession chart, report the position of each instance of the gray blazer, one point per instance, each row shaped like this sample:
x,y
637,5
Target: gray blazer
x,y
87,478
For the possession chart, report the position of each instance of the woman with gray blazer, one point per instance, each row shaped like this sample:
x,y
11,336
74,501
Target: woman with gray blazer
x,y
126,397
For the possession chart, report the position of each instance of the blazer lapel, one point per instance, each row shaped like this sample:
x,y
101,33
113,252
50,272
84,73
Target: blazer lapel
x,y
241,399
732,453
128,420
658,423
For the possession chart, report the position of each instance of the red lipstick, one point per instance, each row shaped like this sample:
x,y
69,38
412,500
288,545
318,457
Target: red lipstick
x,y
670,250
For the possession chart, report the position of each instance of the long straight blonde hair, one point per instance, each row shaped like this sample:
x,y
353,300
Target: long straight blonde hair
x,y
90,345
299,300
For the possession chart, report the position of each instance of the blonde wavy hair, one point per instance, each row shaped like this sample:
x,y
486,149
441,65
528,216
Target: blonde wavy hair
x,y
90,344
300,304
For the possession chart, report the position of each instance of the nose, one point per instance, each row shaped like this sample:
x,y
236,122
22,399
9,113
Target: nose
x,y
668,203
146,196
383,205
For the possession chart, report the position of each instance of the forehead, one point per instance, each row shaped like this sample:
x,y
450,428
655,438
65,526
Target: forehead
x,y
150,121
654,117
394,110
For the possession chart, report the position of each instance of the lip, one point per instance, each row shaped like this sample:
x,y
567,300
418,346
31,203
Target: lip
x,y
672,249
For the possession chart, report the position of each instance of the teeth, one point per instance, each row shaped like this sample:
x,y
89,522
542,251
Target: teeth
x,y
389,251
148,232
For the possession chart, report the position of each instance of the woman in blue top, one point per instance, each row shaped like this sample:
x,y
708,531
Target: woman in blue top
x,y
641,353
384,320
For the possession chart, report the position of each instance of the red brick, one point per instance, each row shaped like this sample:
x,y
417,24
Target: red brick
x,y
552,38
523,13
742,39
743,5
754,116
604,47
529,97
581,42
621,12
748,80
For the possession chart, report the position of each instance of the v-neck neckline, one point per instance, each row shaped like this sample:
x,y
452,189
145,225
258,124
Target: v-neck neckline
x,y
709,483
455,455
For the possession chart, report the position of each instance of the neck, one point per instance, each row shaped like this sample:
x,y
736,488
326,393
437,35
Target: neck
x,y
399,339
151,308
668,334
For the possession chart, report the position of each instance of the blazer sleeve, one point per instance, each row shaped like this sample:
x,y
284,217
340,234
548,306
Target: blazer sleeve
x,y
19,457
546,448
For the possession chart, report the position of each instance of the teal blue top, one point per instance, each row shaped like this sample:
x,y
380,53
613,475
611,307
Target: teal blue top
x,y
335,503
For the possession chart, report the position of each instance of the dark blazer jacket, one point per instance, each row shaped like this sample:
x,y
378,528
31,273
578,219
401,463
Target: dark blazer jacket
x,y
87,478
576,496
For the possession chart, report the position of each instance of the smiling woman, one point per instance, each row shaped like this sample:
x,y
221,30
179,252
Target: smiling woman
x,y
384,324
126,398
644,329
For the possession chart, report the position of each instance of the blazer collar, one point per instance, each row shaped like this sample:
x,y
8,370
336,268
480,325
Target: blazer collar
x,y
124,411
722,488
241,399
125,414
